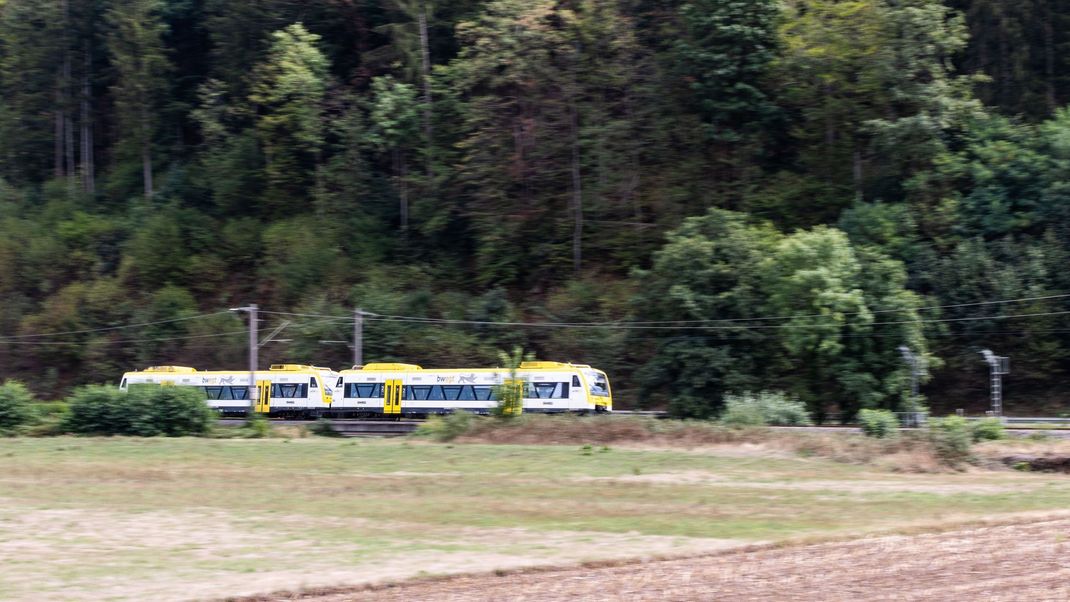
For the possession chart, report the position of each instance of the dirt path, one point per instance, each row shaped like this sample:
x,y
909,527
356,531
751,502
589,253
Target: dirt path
x,y
1029,561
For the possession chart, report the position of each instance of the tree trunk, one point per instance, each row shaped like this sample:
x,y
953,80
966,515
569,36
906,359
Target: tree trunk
x,y
86,129
403,190
68,122
856,161
425,60
577,190
57,143
1049,57
146,168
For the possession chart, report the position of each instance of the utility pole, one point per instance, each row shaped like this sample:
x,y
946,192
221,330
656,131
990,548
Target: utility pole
x,y
998,366
917,369
358,337
251,309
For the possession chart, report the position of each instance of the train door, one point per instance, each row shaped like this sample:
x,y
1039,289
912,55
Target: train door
x,y
263,397
392,397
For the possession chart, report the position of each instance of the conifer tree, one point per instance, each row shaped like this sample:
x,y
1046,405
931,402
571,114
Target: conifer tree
x,y
141,88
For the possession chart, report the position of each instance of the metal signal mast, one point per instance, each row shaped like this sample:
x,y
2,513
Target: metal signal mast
x,y
998,366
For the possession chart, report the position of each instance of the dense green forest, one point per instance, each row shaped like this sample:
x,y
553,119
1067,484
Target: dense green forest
x,y
698,196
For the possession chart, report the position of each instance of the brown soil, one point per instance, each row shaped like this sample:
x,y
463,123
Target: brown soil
x,y
1026,561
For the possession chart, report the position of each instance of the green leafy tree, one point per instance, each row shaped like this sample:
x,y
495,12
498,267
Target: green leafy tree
x,y
833,342
707,271
721,279
395,125
288,89
510,393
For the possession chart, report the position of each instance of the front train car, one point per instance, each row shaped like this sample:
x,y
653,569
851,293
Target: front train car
x,y
392,390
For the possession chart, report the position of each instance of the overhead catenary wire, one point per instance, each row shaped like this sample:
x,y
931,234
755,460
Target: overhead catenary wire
x,y
676,324
107,328
734,327
725,324
139,340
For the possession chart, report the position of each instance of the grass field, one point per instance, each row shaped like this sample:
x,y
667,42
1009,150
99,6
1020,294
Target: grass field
x,y
202,518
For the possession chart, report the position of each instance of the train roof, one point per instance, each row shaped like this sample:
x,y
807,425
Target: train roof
x,y
526,366
190,370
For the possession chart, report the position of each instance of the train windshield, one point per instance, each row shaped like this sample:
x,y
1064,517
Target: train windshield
x,y
599,384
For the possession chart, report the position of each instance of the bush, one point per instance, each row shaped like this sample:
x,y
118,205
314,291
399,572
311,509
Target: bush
x,y
175,411
445,428
49,418
989,429
257,427
144,411
16,406
951,439
879,424
765,407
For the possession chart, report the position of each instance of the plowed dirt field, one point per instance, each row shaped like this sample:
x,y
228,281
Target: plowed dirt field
x,y
1025,561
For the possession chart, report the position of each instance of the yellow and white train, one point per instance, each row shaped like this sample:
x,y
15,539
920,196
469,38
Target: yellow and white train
x,y
387,390
283,390
392,390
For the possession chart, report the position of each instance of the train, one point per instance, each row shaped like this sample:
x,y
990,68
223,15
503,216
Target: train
x,y
387,390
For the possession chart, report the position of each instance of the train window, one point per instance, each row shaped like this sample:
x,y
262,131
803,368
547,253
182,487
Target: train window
x,y
436,393
338,385
238,393
214,392
467,394
483,393
552,390
599,386
406,392
364,391
421,392
289,390
122,385
452,392
312,383
575,381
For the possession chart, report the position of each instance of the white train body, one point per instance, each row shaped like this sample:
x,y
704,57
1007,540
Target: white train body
x,y
407,389
283,389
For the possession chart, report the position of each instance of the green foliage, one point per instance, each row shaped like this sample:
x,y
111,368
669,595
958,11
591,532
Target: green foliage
x,y
445,428
725,48
951,438
257,426
540,160
510,393
880,424
323,428
764,408
288,87
143,411
988,429
16,406
827,349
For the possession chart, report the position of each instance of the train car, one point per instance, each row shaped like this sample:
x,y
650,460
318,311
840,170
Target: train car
x,y
282,390
395,390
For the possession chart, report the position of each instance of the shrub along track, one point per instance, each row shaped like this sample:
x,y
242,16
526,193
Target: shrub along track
x,y
1019,561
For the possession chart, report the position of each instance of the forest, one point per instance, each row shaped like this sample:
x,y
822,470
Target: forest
x,y
698,196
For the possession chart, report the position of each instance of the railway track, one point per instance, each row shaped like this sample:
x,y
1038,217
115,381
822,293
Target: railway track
x,y
347,428
398,428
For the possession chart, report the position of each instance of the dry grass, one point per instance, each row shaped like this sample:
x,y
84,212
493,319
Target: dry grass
x,y
166,519
910,452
